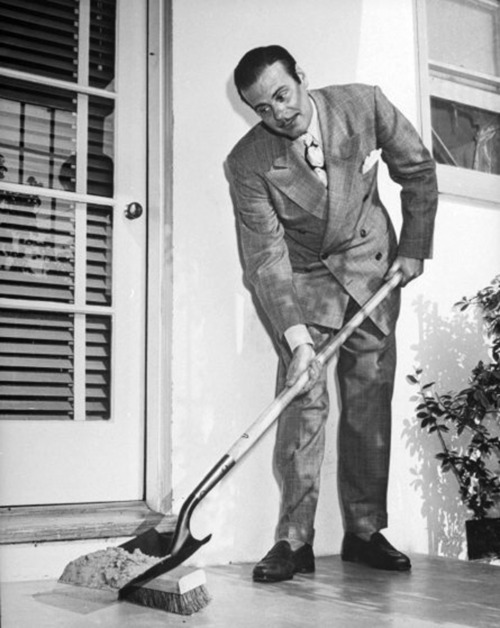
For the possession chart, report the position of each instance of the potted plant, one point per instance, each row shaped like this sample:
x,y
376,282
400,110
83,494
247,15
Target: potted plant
x,y
467,424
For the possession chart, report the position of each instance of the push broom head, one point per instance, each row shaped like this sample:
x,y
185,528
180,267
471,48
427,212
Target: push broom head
x,y
181,590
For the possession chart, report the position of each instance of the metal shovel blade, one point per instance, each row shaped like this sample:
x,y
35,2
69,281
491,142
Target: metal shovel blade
x,y
189,547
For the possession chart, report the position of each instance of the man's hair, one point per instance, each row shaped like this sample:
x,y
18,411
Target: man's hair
x,y
254,62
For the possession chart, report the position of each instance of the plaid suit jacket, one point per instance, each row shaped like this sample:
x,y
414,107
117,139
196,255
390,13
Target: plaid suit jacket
x,y
306,248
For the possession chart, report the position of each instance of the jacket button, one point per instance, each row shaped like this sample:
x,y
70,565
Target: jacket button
x,y
362,233
324,256
378,256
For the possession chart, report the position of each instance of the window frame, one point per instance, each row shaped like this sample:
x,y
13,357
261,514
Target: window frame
x,y
452,180
80,307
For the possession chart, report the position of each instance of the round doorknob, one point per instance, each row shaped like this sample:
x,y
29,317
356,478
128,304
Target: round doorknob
x,y
134,210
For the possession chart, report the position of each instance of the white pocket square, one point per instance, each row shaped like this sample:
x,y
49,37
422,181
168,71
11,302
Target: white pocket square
x,y
370,160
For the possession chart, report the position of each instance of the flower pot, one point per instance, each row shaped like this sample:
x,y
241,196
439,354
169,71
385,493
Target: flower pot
x,y
483,538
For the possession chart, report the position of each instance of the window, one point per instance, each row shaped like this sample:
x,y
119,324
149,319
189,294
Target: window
x,y
460,47
57,60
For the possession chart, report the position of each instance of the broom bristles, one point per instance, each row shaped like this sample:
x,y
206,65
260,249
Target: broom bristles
x,y
181,603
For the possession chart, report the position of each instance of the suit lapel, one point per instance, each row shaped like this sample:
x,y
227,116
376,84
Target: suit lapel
x,y
293,177
341,150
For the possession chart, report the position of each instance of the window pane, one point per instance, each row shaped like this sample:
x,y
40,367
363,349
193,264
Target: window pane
x,y
98,368
40,37
99,255
37,135
464,34
100,147
37,252
48,137
102,43
467,137
36,365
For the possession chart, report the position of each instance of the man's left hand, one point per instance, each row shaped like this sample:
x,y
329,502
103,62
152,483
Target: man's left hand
x,y
303,359
410,267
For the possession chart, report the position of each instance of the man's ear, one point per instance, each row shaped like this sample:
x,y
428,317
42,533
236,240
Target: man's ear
x,y
302,76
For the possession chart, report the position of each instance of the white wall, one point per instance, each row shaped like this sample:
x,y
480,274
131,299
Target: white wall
x,y
223,361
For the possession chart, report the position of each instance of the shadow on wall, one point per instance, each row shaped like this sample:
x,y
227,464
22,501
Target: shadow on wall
x,y
447,351
328,52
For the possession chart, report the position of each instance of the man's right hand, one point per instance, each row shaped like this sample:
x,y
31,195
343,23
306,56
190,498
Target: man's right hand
x,y
303,358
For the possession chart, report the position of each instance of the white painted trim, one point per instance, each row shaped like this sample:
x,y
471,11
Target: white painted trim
x,y
57,83
79,361
79,326
159,298
486,4
420,13
463,73
470,184
55,306
464,94
84,42
82,136
72,197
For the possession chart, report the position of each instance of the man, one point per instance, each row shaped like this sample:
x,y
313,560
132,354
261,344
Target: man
x,y
317,242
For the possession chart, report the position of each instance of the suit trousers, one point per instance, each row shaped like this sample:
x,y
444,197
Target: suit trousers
x,y
365,375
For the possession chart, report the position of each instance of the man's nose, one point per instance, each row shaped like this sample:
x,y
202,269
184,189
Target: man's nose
x,y
279,111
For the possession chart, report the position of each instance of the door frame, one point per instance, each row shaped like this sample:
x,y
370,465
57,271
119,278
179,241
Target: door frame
x,y
158,473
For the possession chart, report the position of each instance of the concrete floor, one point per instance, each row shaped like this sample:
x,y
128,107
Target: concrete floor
x,y
437,592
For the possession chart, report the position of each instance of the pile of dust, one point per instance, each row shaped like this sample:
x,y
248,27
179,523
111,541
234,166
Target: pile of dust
x,y
109,569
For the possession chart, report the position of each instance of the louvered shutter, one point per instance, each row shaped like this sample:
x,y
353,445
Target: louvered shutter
x,y
40,37
37,363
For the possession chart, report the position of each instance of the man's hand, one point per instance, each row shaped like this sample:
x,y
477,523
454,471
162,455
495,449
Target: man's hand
x,y
304,358
410,267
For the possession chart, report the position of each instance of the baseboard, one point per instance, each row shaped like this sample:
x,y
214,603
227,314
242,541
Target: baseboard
x,y
68,522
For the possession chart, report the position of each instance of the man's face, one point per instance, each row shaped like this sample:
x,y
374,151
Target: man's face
x,y
281,102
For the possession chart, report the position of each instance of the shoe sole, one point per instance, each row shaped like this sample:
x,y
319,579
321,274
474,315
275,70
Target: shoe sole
x,y
268,579
359,561
264,578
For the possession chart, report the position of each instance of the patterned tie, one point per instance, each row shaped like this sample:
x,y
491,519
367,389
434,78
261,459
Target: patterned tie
x,y
315,157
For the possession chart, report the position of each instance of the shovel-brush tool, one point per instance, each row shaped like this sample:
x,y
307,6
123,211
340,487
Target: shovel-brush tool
x,y
181,545
174,548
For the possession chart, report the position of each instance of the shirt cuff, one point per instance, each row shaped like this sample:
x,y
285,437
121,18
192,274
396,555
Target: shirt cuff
x,y
297,335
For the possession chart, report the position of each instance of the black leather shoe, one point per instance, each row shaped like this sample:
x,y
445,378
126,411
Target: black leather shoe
x,y
377,552
280,563
303,559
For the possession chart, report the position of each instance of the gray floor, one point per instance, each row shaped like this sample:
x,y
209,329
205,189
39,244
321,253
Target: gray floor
x,y
437,592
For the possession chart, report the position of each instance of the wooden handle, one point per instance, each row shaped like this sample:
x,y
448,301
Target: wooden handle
x,y
272,412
